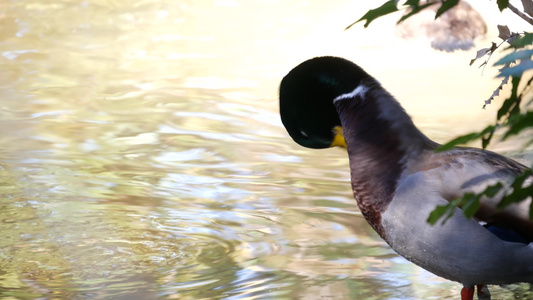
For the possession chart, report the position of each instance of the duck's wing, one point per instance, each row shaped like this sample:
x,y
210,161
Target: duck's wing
x,y
469,170
459,249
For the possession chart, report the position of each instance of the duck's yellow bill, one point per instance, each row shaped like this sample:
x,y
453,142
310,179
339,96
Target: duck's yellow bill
x,y
338,138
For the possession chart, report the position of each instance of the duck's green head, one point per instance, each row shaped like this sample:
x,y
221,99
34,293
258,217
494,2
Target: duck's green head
x,y
306,100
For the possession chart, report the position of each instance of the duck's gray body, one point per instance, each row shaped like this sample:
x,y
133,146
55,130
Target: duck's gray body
x,y
459,249
417,180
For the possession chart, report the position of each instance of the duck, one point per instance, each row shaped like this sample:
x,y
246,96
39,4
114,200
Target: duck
x,y
398,178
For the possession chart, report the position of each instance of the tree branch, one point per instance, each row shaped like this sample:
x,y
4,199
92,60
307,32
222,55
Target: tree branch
x,y
520,14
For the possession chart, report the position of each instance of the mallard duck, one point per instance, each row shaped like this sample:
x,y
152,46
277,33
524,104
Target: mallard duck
x,y
398,179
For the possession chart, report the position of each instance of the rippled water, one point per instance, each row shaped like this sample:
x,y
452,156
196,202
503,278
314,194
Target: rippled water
x,y
142,153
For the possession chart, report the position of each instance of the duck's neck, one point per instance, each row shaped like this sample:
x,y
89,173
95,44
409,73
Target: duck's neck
x,y
381,140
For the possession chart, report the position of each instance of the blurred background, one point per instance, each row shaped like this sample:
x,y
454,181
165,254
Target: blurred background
x,y
142,155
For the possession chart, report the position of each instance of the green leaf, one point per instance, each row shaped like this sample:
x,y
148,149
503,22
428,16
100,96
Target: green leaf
x,y
446,5
440,211
516,55
531,211
436,214
492,190
385,9
526,39
506,106
502,4
527,85
485,139
512,102
471,205
414,10
465,139
461,140
519,192
517,70
518,123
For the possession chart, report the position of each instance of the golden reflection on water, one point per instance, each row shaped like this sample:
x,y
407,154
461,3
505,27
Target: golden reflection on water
x,y
142,153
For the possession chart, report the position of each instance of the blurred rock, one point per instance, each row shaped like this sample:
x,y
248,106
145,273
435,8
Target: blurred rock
x,y
456,29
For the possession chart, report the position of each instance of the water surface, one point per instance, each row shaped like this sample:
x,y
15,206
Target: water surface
x,y
142,153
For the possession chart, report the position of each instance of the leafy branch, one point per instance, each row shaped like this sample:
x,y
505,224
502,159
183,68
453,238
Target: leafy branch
x,y
410,7
510,118
514,66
